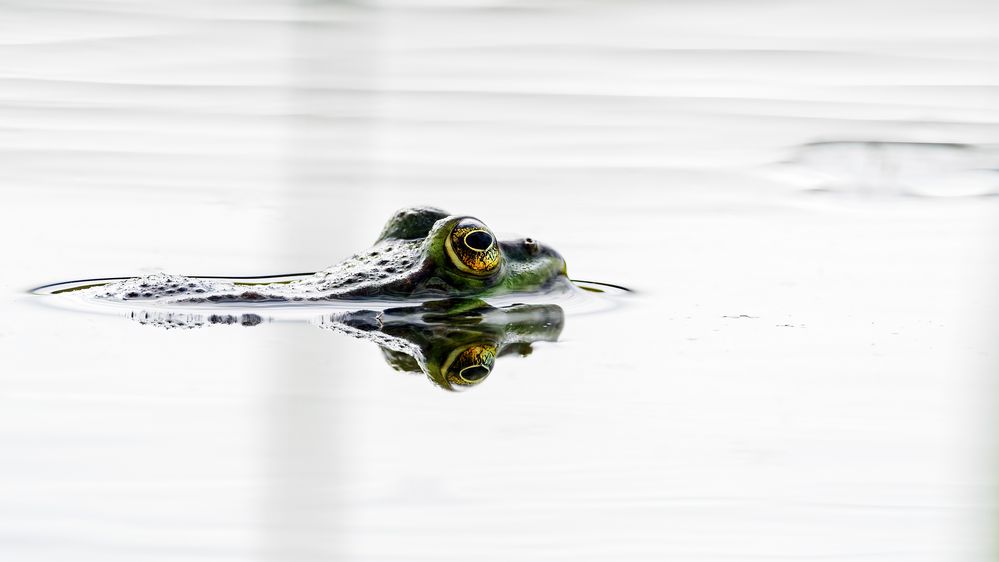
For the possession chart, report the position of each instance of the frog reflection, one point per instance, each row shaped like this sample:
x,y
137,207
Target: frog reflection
x,y
454,342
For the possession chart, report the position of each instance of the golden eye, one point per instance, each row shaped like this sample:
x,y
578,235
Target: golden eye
x,y
472,248
469,365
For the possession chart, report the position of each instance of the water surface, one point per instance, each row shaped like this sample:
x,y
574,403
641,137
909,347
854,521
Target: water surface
x,y
804,371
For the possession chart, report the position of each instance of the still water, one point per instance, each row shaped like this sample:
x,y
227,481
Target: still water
x,y
801,197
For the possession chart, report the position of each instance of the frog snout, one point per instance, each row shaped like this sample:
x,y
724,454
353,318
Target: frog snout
x,y
529,250
537,250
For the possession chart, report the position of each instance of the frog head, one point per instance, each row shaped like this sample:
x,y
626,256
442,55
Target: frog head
x,y
459,256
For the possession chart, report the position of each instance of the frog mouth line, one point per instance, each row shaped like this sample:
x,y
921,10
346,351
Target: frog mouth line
x,y
62,287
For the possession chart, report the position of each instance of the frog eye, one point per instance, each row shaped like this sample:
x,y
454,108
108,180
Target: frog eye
x,y
470,365
472,248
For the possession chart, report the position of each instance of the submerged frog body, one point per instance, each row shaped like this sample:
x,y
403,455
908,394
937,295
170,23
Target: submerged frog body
x,y
422,253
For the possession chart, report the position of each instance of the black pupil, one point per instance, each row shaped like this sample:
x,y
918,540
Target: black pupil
x,y
479,240
474,373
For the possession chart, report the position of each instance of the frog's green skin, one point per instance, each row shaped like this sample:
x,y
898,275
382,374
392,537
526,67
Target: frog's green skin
x,y
455,342
408,261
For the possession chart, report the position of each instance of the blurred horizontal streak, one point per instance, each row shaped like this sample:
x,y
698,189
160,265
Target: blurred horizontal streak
x,y
449,85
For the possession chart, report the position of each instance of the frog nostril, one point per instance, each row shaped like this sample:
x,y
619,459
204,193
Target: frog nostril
x,y
531,246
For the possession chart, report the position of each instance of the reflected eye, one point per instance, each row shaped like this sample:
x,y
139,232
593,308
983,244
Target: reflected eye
x,y
469,365
472,248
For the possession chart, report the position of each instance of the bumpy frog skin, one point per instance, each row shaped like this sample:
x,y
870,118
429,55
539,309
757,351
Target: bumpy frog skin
x,y
423,253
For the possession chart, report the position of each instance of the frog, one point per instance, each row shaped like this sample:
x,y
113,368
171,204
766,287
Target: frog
x,y
422,253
